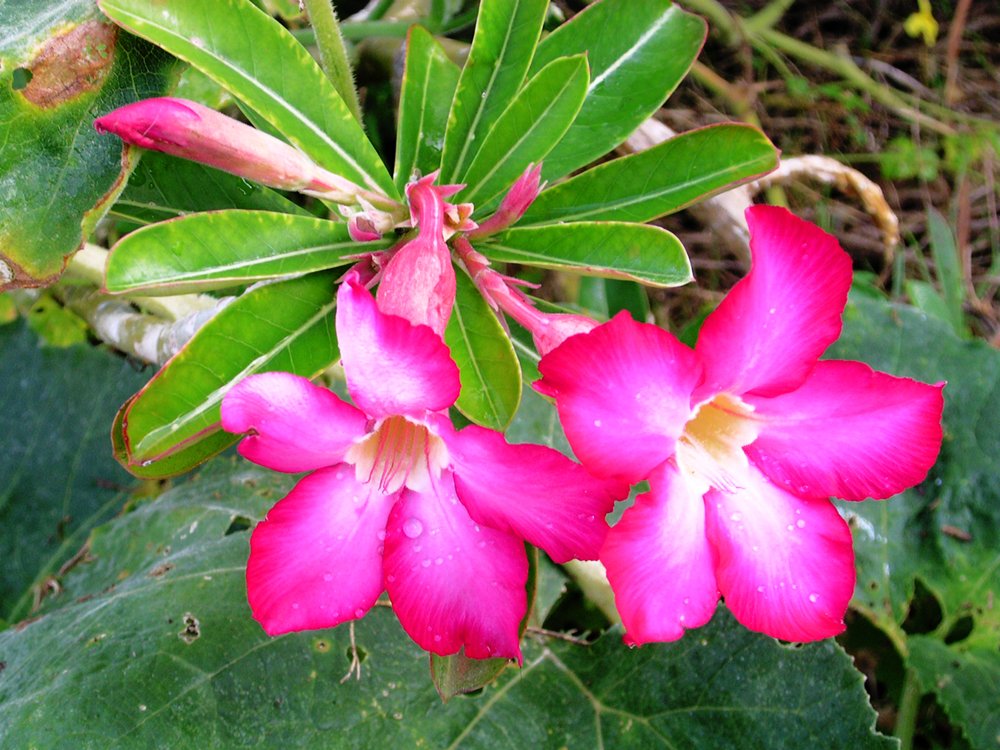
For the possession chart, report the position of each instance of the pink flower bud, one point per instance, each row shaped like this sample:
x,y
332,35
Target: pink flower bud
x,y
192,131
520,196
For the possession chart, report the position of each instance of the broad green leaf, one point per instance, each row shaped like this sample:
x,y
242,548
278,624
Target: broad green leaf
x,y
61,65
660,180
637,252
946,531
429,81
506,34
57,476
528,129
487,365
152,645
164,187
219,249
286,325
261,63
964,680
638,51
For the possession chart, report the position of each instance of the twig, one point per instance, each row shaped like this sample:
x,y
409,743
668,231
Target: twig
x,y
332,52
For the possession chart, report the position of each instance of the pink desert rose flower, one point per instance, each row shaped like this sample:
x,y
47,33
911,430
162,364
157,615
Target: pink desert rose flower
x,y
398,499
742,439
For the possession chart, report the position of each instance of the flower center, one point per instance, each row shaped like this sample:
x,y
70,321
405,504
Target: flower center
x,y
398,453
711,447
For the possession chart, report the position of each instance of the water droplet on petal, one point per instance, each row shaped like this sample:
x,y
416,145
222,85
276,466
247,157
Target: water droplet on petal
x,y
789,527
390,579
735,517
800,523
437,638
772,311
813,598
597,423
426,563
359,612
295,605
760,589
380,534
413,527
328,576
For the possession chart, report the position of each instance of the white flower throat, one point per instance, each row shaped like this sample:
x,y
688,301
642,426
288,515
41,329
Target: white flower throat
x,y
711,447
398,453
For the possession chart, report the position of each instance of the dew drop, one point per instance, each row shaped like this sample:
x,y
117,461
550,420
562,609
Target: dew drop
x,y
295,605
681,618
789,527
381,535
597,423
439,561
413,528
437,638
426,563
760,589
328,576
813,598
772,311
800,523
687,600
390,579
736,517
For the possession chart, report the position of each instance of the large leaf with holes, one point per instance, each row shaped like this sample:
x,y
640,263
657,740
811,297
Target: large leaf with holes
x,y
61,65
637,252
260,62
164,187
506,34
429,81
219,249
659,180
286,325
487,365
152,645
57,476
638,51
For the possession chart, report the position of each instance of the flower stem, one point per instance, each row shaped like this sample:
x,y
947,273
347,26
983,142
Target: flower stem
x,y
332,53
909,703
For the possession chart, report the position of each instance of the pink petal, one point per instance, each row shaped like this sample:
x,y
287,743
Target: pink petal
x,y
784,564
418,284
316,560
392,367
294,424
659,562
767,333
532,492
623,394
452,582
849,432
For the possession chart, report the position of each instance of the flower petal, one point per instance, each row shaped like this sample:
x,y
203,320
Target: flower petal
x,y
849,432
623,394
294,424
533,492
783,563
392,367
659,561
316,560
452,582
768,332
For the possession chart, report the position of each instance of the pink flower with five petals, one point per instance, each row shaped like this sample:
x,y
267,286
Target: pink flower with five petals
x,y
398,499
743,440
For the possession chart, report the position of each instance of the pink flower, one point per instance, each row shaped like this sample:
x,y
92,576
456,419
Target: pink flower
x,y
742,440
398,499
514,204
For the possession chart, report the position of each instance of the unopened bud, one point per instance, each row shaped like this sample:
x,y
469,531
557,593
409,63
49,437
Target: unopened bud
x,y
513,206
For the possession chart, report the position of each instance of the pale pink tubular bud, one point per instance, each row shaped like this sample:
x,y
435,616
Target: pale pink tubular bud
x,y
418,282
521,195
192,131
361,229
548,330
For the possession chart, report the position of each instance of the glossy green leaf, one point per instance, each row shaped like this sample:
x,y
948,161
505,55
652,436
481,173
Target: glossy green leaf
x,y
487,365
429,81
164,187
946,532
57,476
286,325
660,180
638,51
528,129
964,680
261,63
219,249
61,65
637,252
152,646
506,34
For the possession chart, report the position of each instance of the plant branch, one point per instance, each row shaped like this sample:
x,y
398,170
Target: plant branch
x,y
332,52
909,704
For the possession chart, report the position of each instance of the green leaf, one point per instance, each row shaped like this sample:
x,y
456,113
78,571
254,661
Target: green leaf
x,y
61,65
219,249
947,265
660,180
261,63
153,645
487,365
57,477
638,51
55,325
164,187
528,129
946,531
286,325
429,81
506,34
637,252
964,680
